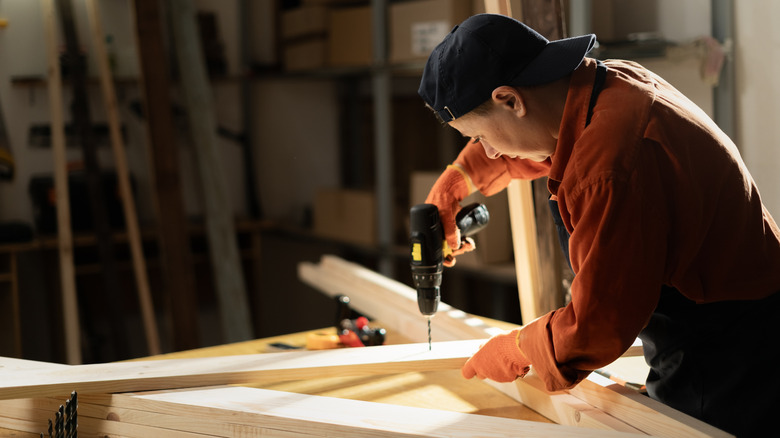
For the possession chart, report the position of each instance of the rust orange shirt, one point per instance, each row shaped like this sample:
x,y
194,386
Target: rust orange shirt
x,y
653,193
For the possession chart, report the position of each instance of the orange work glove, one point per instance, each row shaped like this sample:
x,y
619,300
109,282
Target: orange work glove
x,y
499,360
452,186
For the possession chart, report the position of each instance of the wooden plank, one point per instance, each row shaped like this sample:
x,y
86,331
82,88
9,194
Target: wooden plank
x,y
325,416
395,303
258,368
391,302
225,260
560,407
123,178
524,240
179,285
646,414
64,233
106,308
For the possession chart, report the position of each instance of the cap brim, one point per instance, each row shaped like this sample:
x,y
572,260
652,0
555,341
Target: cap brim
x,y
556,60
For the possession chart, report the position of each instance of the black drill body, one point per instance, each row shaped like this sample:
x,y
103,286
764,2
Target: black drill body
x,y
429,248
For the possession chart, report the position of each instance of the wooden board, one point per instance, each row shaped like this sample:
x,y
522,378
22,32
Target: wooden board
x,y
395,303
646,414
123,179
183,373
239,411
223,249
163,149
64,234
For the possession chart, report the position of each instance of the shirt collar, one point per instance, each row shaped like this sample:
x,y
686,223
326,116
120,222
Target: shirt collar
x,y
573,122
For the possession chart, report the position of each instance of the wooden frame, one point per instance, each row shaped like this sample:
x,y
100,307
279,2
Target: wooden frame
x,y
381,297
602,410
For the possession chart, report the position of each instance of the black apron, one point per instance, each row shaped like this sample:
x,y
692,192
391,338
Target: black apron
x,y
713,361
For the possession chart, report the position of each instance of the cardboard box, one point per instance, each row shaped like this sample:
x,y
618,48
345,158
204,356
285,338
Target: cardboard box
x,y
346,215
350,39
494,243
304,21
306,54
620,20
416,27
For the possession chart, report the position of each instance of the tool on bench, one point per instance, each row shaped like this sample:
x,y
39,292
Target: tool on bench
x,y
350,332
65,424
355,332
429,249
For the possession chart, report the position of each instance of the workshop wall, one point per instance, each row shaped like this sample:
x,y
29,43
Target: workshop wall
x,y
757,57
282,148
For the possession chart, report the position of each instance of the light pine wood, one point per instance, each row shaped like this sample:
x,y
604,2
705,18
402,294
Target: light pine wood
x,y
524,239
371,292
646,414
325,416
123,178
392,302
560,407
259,368
395,303
64,234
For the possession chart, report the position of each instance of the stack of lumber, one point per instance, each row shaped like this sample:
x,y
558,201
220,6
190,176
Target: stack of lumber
x,y
188,397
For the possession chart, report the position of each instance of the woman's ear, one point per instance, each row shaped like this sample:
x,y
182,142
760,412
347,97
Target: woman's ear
x,y
509,98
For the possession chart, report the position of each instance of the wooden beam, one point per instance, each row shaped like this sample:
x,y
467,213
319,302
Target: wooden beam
x,y
391,302
181,298
524,239
223,250
123,178
256,368
646,414
560,407
64,234
241,411
106,306
395,303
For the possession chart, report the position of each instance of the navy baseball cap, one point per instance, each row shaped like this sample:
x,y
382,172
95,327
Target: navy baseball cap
x,y
490,50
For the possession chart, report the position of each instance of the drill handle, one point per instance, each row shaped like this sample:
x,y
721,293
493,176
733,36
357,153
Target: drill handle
x,y
471,219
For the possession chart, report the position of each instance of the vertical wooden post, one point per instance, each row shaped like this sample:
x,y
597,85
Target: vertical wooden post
x,y
108,302
178,281
65,237
126,192
537,257
220,228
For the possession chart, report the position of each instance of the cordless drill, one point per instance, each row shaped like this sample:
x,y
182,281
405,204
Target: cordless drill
x,y
429,249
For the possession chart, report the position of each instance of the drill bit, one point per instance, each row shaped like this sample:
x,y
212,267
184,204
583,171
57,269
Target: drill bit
x,y
429,333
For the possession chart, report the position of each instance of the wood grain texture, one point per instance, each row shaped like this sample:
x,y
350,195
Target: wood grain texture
x,y
182,373
646,414
282,412
390,301
371,294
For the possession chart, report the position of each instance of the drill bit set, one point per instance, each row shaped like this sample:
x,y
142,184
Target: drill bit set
x,y
65,424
